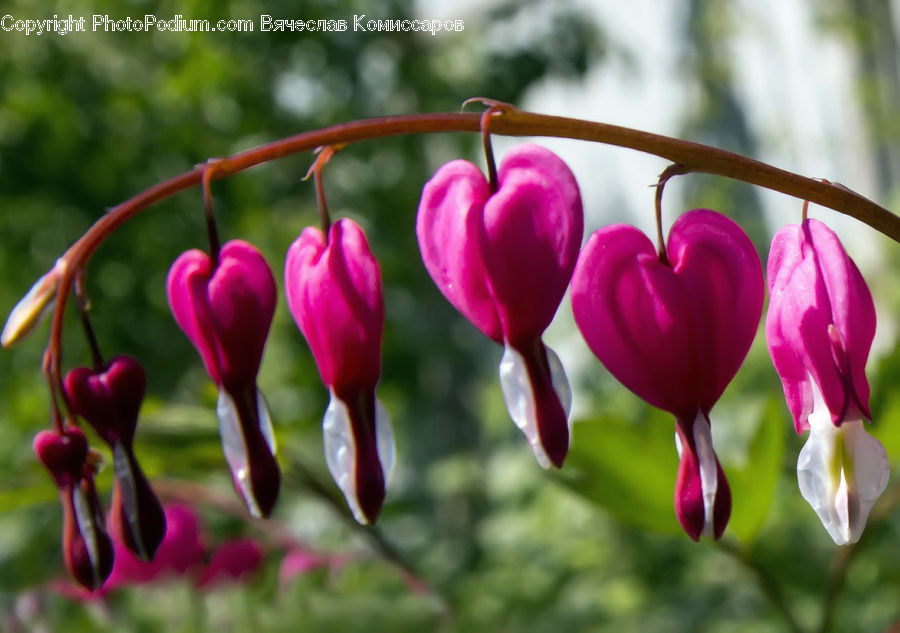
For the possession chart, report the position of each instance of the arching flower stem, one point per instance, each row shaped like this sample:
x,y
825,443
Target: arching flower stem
x,y
694,157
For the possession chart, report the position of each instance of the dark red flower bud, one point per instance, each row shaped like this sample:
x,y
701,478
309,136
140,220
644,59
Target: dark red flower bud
x,y
87,548
110,400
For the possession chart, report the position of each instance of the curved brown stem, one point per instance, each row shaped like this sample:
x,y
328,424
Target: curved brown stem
x,y
693,156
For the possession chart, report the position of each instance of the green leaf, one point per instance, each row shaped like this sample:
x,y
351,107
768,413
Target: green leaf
x,y
627,468
753,485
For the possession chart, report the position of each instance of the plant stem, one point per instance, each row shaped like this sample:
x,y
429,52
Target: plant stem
x,y
693,157
767,582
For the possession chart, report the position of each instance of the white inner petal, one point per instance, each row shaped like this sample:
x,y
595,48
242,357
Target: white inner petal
x,y
85,519
235,448
519,395
340,449
125,477
265,421
384,436
841,472
709,473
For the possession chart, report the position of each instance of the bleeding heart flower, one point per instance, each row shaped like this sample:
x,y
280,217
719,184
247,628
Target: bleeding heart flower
x,y
109,400
182,552
334,293
504,259
87,548
819,328
675,332
225,308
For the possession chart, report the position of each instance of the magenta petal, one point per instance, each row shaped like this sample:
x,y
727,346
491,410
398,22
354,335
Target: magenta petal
x,y
334,293
820,324
673,334
630,310
186,287
532,230
242,297
447,226
109,400
181,551
63,454
226,312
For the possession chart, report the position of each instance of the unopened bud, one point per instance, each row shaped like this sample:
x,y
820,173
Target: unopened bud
x,y
32,308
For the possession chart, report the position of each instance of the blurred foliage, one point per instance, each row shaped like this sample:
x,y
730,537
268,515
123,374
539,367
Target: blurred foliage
x,y
494,543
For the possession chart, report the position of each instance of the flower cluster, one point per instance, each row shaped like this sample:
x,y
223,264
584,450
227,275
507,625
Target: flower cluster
x,y
109,398
184,552
672,323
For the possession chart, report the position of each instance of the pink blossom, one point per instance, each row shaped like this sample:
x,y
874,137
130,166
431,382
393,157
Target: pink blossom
x,y
819,328
504,259
334,293
87,548
225,307
675,332
109,399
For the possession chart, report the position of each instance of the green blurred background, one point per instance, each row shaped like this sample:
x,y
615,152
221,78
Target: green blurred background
x,y
474,536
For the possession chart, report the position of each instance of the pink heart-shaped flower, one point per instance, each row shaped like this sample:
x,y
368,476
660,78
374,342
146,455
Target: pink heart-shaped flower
x,y
503,259
673,333
225,309
675,330
334,292
109,399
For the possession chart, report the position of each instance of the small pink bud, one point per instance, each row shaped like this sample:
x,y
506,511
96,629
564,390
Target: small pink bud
x,y
334,293
225,308
504,261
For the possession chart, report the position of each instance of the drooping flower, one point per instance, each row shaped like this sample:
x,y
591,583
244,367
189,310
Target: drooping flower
x,y
334,293
819,328
232,561
182,555
109,399
504,260
675,332
182,552
225,307
87,548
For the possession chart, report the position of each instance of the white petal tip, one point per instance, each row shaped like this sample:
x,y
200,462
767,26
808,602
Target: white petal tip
x,y
340,450
841,472
518,394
